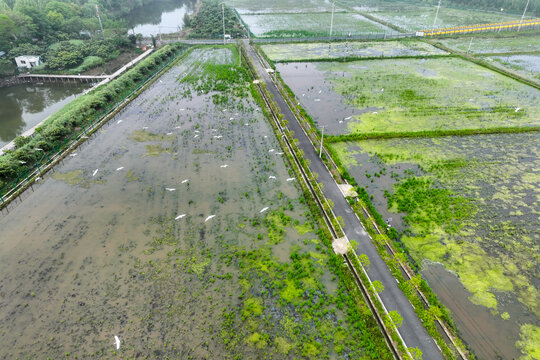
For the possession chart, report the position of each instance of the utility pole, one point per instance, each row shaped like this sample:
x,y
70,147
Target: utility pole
x,y
322,139
99,18
436,15
332,20
223,16
523,16
470,44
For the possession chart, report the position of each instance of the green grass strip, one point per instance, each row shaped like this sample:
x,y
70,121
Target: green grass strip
x,y
429,133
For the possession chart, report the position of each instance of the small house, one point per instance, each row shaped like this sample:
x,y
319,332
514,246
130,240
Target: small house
x,y
28,61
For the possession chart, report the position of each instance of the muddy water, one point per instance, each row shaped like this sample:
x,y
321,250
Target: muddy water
x,y
99,249
327,108
487,335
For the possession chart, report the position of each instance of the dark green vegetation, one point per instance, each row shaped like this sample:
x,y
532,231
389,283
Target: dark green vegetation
x,y
59,31
208,22
54,133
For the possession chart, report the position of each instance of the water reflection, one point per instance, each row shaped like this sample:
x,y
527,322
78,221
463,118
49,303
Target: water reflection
x,y
24,106
160,17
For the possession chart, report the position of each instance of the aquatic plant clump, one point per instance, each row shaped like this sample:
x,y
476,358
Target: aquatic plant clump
x,y
201,250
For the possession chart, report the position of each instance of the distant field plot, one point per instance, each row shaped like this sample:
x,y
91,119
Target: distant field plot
x,y
313,51
469,206
310,24
422,18
279,6
484,45
412,17
411,95
527,65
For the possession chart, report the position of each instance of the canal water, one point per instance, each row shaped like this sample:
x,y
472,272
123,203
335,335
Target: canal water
x,y
26,105
163,17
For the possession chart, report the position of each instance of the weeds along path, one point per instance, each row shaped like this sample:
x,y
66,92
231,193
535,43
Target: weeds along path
x,y
178,232
412,330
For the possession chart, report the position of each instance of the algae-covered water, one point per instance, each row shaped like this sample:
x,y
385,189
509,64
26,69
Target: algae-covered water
x,y
176,230
410,95
470,204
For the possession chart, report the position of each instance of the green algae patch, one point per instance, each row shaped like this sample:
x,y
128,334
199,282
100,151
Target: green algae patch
x,y
252,308
70,178
291,293
257,340
345,154
304,228
156,150
130,176
145,136
199,268
530,342
282,345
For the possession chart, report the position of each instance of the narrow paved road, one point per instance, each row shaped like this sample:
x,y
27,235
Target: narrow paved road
x,y
412,331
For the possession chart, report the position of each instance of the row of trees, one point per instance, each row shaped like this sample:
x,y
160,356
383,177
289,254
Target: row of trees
x,y
208,23
29,27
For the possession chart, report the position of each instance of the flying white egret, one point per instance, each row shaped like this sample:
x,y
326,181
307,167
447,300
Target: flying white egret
x,y
264,209
179,217
209,217
117,341
95,172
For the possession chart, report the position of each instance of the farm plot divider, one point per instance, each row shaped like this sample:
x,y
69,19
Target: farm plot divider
x,y
425,302
311,188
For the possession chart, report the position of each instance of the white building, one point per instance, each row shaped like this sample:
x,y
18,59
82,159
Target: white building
x,y
28,61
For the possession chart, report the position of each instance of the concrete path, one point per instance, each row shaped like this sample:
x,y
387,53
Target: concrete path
x,y
412,330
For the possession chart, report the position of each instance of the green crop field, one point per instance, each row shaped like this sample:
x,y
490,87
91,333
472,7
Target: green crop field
x,y
310,24
315,51
469,203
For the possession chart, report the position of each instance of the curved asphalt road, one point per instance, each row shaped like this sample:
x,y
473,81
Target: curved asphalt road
x,y
412,331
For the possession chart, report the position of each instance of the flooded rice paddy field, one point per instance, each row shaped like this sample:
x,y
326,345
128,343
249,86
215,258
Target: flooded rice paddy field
x,y
504,44
280,6
416,15
310,24
180,229
470,204
526,65
313,51
409,95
